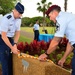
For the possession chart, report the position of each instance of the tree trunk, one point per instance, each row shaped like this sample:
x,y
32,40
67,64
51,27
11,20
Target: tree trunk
x,y
65,5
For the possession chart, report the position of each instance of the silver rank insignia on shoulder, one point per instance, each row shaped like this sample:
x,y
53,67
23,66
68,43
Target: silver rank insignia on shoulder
x,y
9,16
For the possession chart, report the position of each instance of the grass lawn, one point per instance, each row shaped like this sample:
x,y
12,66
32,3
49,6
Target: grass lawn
x,y
24,39
51,30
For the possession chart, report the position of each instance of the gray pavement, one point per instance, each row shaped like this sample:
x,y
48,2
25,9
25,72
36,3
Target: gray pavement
x,y
27,34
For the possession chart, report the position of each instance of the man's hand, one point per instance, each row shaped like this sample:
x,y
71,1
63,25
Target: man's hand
x,y
15,45
15,50
43,57
61,62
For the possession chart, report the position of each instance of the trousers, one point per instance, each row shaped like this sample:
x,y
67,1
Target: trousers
x,y
73,61
36,35
6,57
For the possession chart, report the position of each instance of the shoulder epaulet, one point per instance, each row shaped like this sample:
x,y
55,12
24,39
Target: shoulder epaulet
x,y
9,16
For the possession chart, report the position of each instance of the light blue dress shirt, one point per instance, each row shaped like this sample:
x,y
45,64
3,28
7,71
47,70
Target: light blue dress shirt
x,y
66,25
36,27
9,24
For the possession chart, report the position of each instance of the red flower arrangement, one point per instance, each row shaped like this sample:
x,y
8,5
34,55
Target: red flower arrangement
x,y
39,47
35,47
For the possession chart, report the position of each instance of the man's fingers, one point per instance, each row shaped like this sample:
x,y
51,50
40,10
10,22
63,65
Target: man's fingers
x,y
42,59
60,64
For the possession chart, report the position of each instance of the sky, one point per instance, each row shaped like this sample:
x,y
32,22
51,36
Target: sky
x,y
31,7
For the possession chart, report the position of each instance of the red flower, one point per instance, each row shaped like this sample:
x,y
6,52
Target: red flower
x,y
20,46
63,42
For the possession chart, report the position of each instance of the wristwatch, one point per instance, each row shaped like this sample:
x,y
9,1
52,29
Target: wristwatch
x,y
15,43
46,53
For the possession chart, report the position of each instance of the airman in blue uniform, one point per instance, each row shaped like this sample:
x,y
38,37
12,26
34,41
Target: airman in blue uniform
x,y
36,30
65,25
9,35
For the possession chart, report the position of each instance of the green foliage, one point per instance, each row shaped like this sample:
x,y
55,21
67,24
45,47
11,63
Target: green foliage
x,y
59,56
49,22
26,21
7,6
62,53
51,57
42,51
43,1
68,60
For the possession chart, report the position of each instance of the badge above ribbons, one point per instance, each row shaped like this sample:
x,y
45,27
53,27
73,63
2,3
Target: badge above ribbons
x,y
57,26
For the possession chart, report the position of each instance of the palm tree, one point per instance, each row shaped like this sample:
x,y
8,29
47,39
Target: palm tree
x,y
42,7
65,5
